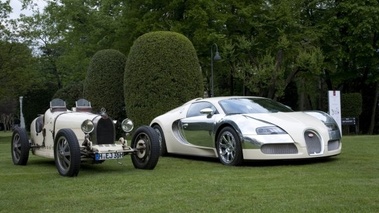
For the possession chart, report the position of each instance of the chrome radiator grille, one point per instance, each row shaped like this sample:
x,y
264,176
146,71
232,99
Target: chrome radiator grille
x,y
313,142
105,132
279,149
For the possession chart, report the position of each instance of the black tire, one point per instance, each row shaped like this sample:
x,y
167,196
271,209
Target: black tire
x,y
161,138
20,146
145,141
229,149
67,153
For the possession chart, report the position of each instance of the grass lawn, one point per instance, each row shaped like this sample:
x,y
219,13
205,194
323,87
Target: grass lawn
x,y
346,183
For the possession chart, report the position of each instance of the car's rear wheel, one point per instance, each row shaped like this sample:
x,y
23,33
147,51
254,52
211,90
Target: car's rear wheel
x,y
161,138
67,153
146,143
20,146
229,147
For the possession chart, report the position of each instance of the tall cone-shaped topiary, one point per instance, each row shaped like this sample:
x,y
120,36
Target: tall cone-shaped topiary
x,y
162,71
103,85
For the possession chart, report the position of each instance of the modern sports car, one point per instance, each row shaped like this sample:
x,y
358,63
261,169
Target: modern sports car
x,y
235,129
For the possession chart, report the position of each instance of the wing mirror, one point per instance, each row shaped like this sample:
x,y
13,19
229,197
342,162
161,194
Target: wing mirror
x,y
207,111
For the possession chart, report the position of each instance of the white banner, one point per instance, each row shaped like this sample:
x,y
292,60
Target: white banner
x,y
335,107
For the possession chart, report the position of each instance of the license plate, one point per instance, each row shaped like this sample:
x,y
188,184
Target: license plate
x,y
106,156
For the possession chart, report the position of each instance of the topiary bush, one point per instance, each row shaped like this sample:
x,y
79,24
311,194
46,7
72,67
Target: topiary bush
x,y
162,71
103,85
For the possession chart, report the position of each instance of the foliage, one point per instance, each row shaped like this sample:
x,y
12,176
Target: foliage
x,y
104,82
268,57
351,104
350,42
17,67
162,72
8,105
8,112
70,93
345,183
37,101
277,49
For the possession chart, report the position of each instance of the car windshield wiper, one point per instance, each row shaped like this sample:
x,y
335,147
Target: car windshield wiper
x,y
234,113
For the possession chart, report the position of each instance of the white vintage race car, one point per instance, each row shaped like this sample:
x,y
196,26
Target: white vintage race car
x,y
72,137
246,128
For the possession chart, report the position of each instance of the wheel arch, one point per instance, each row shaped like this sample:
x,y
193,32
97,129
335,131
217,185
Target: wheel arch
x,y
227,123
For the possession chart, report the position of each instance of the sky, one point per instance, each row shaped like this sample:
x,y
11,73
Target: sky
x,y
17,8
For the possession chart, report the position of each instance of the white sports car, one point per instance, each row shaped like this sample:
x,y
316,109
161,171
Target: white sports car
x,y
235,129
72,137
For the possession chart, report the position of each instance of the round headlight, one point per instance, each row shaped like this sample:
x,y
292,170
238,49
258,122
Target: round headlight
x,y
127,125
87,126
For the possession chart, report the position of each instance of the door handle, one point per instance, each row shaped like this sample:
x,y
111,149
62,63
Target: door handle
x,y
185,126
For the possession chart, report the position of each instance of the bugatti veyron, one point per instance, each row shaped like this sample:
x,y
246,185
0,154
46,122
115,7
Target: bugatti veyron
x,y
235,129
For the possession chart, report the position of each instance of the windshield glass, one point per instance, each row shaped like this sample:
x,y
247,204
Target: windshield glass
x,y
252,105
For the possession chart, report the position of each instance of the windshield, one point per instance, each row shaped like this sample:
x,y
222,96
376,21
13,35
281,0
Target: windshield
x,y
252,105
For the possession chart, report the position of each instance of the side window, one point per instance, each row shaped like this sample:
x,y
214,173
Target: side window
x,y
195,108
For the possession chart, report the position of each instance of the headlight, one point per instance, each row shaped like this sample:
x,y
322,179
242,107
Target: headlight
x,y
269,130
332,126
127,125
87,126
328,120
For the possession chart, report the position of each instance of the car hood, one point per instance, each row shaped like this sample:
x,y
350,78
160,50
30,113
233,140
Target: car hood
x,y
294,123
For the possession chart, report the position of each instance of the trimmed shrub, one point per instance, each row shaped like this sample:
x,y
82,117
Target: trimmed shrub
x,y
70,93
103,83
351,105
162,72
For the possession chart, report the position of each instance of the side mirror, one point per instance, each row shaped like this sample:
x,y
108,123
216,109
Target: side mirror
x,y
207,111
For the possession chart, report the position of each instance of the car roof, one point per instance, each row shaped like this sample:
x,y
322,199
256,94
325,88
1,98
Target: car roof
x,y
217,99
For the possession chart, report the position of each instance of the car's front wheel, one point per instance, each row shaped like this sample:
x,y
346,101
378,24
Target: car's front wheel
x,y
229,147
20,146
146,143
67,153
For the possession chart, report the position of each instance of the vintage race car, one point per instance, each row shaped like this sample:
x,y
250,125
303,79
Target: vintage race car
x,y
235,129
72,137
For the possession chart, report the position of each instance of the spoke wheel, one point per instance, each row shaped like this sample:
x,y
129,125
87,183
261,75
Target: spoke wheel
x,y
20,146
146,143
229,147
162,141
67,153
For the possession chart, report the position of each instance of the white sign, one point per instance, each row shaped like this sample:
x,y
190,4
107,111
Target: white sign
x,y
335,106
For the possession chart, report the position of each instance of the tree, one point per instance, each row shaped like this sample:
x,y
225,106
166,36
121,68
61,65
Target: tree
x,y
351,42
291,50
8,112
17,69
70,93
273,49
5,9
162,72
104,80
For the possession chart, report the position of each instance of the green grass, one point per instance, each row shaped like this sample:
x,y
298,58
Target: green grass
x,y
346,183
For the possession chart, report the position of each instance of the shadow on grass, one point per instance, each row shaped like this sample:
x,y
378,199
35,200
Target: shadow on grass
x,y
259,163
86,168
264,163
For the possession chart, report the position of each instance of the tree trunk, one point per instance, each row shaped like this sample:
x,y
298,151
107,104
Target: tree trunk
x,y
373,111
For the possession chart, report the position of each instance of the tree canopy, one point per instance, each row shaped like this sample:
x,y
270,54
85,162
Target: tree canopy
x,y
290,50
